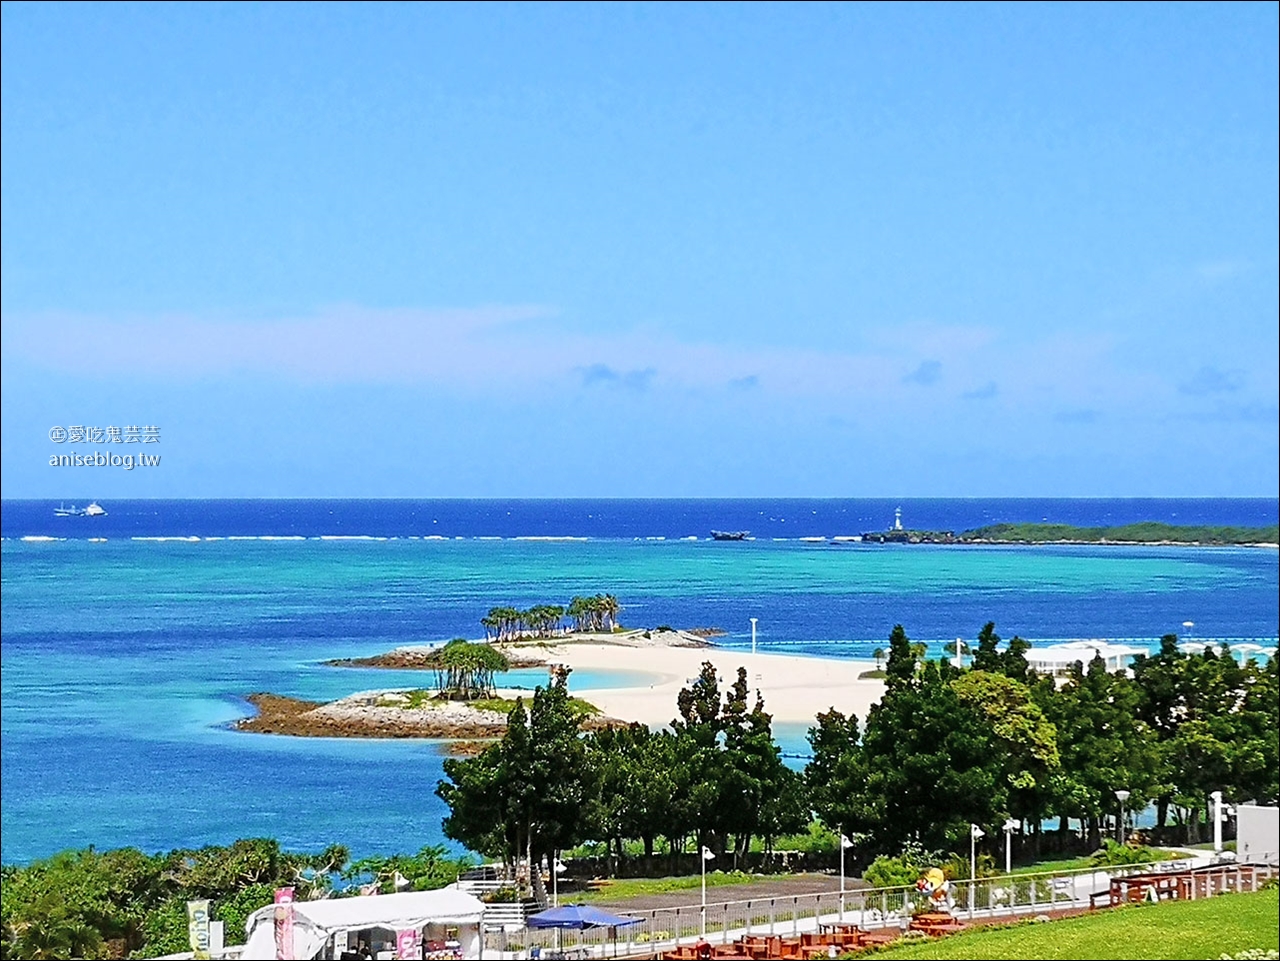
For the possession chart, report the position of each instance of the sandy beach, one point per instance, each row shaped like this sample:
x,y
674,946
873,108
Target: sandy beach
x,y
795,687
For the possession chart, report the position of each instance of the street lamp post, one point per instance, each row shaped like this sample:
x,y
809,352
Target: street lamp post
x,y
706,856
557,869
844,844
975,833
1219,815
1011,825
1121,796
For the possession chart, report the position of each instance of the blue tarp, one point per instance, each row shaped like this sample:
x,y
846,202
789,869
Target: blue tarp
x,y
577,916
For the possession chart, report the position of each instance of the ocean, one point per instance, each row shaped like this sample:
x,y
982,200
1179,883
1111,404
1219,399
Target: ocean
x,y
125,660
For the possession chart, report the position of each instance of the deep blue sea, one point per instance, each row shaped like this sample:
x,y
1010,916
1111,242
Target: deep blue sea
x,y
126,657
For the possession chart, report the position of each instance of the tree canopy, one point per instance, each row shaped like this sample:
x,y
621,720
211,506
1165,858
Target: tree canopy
x,y
466,671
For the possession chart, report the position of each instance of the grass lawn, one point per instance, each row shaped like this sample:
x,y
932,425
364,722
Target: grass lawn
x,y
1061,864
624,888
1080,863
1227,924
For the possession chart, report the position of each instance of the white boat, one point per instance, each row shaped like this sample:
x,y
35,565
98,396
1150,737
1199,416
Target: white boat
x,y
63,511
95,510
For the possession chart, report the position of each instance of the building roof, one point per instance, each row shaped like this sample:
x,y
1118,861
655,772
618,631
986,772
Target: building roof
x,y
315,921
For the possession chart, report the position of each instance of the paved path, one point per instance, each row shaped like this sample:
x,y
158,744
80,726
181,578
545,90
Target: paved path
x,y
782,886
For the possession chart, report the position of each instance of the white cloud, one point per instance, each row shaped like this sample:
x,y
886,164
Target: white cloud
x,y
511,350
1220,270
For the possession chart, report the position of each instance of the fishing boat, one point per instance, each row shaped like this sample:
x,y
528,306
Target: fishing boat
x,y
730,535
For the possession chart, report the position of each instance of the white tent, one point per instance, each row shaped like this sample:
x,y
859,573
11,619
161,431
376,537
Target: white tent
x,y
1058,658
315,922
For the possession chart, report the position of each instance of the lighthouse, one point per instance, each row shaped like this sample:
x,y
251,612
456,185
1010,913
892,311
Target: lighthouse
x,y
897,519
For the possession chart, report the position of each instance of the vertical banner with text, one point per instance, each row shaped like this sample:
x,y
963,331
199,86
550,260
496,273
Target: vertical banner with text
x,y
284,924
198,929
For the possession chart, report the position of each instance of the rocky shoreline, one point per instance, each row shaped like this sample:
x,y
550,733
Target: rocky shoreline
x,y
399,713
384,714
370,714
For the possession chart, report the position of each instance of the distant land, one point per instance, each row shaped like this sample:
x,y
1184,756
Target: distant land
x,y
1147,532
1144,532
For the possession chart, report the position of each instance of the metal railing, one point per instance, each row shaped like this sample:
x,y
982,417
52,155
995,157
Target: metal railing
x,y
1013,895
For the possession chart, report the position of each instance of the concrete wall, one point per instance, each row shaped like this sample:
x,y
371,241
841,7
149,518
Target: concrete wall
x,y
1258,833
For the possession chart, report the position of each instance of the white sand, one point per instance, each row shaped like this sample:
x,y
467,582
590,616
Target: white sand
x,y
795,688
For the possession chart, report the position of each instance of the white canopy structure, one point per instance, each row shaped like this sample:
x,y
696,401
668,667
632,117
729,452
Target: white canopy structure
x,y
1240,650
315,922
1058,658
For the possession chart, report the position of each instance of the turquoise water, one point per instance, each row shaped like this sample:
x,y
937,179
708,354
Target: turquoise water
x,y
124,662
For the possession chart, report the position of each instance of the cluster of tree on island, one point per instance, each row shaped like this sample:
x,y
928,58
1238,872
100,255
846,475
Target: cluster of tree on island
x,y
945,748
598,613
465,671
1143,532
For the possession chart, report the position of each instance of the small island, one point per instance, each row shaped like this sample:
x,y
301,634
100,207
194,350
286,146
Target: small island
x,y
1155,533
464,705
1146,532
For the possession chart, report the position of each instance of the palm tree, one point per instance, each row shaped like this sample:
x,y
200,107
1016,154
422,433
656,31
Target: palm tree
x,y
55,936
579,611
878,654
609,608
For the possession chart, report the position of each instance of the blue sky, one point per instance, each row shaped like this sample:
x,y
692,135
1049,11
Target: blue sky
x,y
638,250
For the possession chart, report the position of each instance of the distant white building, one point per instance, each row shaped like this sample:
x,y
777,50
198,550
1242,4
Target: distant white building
x,y
1056,659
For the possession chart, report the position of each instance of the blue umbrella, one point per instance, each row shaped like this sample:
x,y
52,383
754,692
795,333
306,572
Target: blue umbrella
x,y
577,916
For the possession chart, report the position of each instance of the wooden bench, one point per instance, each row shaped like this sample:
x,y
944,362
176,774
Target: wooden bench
x,y
880,937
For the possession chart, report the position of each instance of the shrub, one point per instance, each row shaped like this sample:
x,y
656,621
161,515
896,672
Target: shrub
x,y
905,868
1113,852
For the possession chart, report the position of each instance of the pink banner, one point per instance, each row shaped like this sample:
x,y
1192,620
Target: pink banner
x,y
409,945
284,924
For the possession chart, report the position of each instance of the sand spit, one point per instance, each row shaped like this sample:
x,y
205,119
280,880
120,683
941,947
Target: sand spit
x,y
795,688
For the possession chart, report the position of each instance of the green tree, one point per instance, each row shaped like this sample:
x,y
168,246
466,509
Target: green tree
x,y
634,786
931,765
529,793
900,670
836,775
1103,742
466,671
762,796
1023,739
1215,721
475,791
1011,662
123,902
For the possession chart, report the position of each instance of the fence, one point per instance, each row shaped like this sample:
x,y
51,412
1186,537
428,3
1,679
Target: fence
x,y
1048,893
